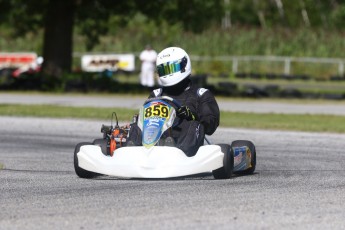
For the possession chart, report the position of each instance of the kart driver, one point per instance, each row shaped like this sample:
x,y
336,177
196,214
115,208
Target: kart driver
x,y
199,111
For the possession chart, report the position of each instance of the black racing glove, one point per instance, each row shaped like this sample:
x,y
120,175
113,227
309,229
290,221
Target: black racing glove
x,y
185,113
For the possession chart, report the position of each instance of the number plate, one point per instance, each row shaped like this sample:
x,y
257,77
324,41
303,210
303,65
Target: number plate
x,y
156,110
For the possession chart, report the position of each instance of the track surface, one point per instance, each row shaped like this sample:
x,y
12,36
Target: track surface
x,y
300,184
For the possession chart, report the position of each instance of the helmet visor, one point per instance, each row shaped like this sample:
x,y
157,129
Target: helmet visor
x,y
171,67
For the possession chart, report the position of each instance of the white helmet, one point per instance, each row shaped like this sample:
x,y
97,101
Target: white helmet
x,y
173,65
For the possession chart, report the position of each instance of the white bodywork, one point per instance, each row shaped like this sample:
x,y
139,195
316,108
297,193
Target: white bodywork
x,y
155,162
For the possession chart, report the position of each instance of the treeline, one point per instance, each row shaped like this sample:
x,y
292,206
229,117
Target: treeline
x,y
214,27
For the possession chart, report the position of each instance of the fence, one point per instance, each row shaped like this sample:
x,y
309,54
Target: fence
x,y
287,65
287,62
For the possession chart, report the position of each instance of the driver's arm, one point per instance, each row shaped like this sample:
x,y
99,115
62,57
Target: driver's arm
x,y
208,112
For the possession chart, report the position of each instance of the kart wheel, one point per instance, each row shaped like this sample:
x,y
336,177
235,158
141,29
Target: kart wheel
x,y
103,144
225,172
80,171
251,146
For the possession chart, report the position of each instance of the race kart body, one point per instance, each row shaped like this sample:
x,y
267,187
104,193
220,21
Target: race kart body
x,y
110,156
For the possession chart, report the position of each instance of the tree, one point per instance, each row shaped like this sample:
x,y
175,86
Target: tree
x,y
59,17
57,47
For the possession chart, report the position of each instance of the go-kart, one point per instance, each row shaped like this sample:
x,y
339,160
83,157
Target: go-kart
x,y
111,156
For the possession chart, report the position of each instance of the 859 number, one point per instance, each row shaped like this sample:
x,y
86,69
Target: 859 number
x,y
157,110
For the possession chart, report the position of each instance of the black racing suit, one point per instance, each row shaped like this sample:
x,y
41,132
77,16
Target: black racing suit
x,y
189,135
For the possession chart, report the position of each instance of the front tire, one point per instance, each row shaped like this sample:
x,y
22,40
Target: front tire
x,y
80,171
225,172
251,146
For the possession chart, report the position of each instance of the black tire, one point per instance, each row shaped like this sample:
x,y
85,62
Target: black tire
x,y
103,144
80,171
251,146
225,172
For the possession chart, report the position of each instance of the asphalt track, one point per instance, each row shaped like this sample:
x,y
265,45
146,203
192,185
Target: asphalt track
x,y
299,184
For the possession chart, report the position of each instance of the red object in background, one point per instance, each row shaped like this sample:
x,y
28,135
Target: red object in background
x,y
19,71
21,62
17,59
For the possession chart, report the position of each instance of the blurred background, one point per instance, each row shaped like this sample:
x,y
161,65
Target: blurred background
x,y
247,48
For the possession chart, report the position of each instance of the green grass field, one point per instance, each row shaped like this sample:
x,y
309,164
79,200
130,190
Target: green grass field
x,y
268,121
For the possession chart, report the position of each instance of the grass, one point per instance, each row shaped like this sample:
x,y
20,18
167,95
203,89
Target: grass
x,y
309,123
1,166
65,111
305,122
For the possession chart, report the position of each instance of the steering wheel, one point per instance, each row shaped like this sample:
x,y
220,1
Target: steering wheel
x,y
175,103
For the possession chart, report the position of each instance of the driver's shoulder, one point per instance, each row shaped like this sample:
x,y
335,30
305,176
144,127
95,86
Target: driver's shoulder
x,y
201,91
156,92
196,91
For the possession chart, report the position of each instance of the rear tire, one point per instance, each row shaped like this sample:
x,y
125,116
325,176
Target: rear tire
x,y
80,171
225,172
103,144
251,146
